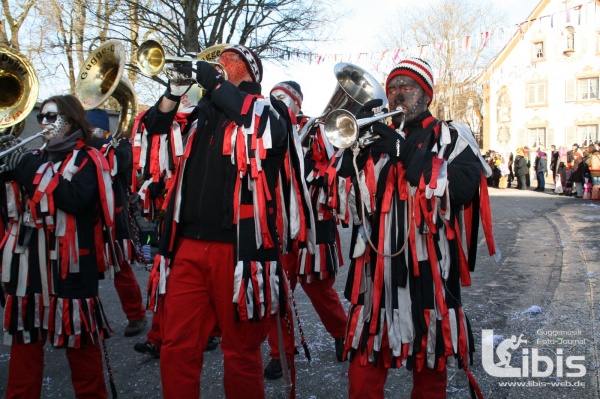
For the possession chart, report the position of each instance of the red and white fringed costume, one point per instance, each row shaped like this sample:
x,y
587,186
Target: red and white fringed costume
x,y
155,157
406,310
324,261
60,218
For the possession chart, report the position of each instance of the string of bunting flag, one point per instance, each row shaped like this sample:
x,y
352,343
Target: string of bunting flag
x,y
383,60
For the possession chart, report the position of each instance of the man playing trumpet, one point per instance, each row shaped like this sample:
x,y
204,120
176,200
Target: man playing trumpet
x,y
407,259
219,243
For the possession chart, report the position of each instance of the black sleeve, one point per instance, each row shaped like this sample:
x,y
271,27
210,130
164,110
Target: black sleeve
x,y
76,196
464,176
158,122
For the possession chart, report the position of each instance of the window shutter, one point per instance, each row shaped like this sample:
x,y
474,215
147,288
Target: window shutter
x,y
530,94
570,91
541,98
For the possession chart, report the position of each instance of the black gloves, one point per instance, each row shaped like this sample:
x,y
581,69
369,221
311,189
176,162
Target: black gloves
x,y
12,160
367,110
390,142
207,76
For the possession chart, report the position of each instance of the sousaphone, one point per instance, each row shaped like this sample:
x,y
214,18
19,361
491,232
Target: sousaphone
x,y
19,90
101,77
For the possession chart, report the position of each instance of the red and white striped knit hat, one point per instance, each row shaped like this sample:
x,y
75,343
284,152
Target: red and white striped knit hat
x,y
416,69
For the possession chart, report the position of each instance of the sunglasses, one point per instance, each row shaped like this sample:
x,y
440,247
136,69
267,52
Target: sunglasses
x,y
49,116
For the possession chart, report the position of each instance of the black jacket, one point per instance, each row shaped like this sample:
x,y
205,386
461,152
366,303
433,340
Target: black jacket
x,y
209,177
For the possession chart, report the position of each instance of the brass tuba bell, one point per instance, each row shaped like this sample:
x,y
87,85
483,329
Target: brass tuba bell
x,y
19,87
101,77
355,87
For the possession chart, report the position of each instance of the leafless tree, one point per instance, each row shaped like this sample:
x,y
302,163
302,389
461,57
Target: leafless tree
x,y
14,13
456,34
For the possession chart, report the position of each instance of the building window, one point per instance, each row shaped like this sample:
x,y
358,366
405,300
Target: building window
x,y
587,134
538,51
537,137
536,93
587,88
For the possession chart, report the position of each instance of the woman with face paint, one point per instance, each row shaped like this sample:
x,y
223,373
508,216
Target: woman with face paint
x,y
220,240
57,201
422,182
315,271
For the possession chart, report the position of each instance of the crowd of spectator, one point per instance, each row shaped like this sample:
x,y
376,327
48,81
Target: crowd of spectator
x,y
574,173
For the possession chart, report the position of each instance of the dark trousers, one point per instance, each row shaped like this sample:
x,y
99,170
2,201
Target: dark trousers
x,y
521,182
541,181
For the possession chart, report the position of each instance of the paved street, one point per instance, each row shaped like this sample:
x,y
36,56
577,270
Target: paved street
x,y
545,288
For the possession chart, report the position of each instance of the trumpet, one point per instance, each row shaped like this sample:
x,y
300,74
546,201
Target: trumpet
x,y
342,128
152,58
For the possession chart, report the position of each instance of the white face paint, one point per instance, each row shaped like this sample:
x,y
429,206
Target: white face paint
x,y
59,127
287,100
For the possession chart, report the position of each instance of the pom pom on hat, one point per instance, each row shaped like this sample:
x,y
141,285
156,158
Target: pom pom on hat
x,y
416,69
98,118
292,89
252,61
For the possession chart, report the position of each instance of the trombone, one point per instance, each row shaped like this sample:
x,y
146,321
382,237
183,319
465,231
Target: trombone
x,y
152,58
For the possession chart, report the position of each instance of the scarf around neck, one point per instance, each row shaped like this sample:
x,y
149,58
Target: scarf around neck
x,y
58,147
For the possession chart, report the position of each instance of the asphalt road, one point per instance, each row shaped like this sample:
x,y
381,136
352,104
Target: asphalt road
x,y
545,288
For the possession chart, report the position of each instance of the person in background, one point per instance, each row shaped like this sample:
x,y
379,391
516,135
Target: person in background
x,y
316,272
54,254
119,156
553,162
541,169
521,169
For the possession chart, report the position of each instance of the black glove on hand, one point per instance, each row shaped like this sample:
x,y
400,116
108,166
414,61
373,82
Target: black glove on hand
x,y
366,111
207,76
12,160
177,88
390,142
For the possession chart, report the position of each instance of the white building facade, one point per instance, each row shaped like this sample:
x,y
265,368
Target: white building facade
x,y
542,88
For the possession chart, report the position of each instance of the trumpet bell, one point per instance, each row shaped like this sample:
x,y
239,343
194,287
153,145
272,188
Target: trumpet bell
x,y
151,58
340,128
19,87
354,89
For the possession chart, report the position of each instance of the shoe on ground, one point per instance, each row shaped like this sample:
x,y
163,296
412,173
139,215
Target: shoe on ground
x,y
273,371
135,327
213,343
147,348
339,349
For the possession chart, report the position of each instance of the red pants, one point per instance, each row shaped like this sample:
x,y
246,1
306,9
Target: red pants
x,y
26,369
367,382
324,299
199,296
129,293
154,336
